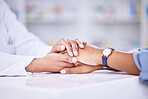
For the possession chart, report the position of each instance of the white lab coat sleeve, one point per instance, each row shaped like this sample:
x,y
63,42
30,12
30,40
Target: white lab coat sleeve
x,y
26,46
25,43
14,64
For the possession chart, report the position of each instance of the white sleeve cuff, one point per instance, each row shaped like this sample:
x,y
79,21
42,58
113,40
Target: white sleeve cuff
x,y
19,67
17,63
44,51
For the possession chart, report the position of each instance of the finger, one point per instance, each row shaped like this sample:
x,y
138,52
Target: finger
x,y
64,52
58,48
74,47
68,47
61,65
66,65
81,45
79,69
79,63
84,42
68,59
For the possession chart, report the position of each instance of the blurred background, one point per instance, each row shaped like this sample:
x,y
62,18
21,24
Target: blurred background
x,y
121,24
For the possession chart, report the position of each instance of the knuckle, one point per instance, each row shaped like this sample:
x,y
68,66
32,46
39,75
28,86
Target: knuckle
x,y
75,45
67,43
59,48
72,43
67,59
62,40
78,41
68,40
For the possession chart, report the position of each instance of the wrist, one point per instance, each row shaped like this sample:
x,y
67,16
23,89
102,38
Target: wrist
x,y
34,66
98,57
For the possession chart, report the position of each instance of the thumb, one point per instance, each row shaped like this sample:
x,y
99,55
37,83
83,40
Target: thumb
x,y
80,69
58,48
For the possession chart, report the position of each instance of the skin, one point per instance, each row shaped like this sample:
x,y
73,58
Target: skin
x,y
71,46
52,62
90,57
55,61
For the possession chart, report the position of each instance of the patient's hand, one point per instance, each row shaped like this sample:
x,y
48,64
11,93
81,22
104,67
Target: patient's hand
x,y
80,68
87,61
90,55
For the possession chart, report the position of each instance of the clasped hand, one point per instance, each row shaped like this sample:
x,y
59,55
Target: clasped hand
x,y
67,56
87,61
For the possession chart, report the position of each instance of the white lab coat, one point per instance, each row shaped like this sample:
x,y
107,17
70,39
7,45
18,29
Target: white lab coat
x,y
18,47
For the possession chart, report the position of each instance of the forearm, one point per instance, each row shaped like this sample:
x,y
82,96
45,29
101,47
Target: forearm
x,y
117,60
120,61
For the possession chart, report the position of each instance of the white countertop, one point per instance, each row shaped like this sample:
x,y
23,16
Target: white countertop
x,y
97,85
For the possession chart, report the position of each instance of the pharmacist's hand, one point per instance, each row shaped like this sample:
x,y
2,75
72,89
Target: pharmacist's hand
x,y
71,46
53,62
80,69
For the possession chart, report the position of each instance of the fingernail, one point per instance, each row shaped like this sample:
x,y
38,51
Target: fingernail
x,y
70,54
81,45
63,71
75,53
74,59
62,47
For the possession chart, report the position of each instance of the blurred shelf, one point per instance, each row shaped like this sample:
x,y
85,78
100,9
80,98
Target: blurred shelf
x,y
102,12
117,21
51,22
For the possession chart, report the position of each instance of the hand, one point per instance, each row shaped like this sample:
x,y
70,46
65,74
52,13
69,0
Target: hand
x,y
71,46
90,55
80,69
53,62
